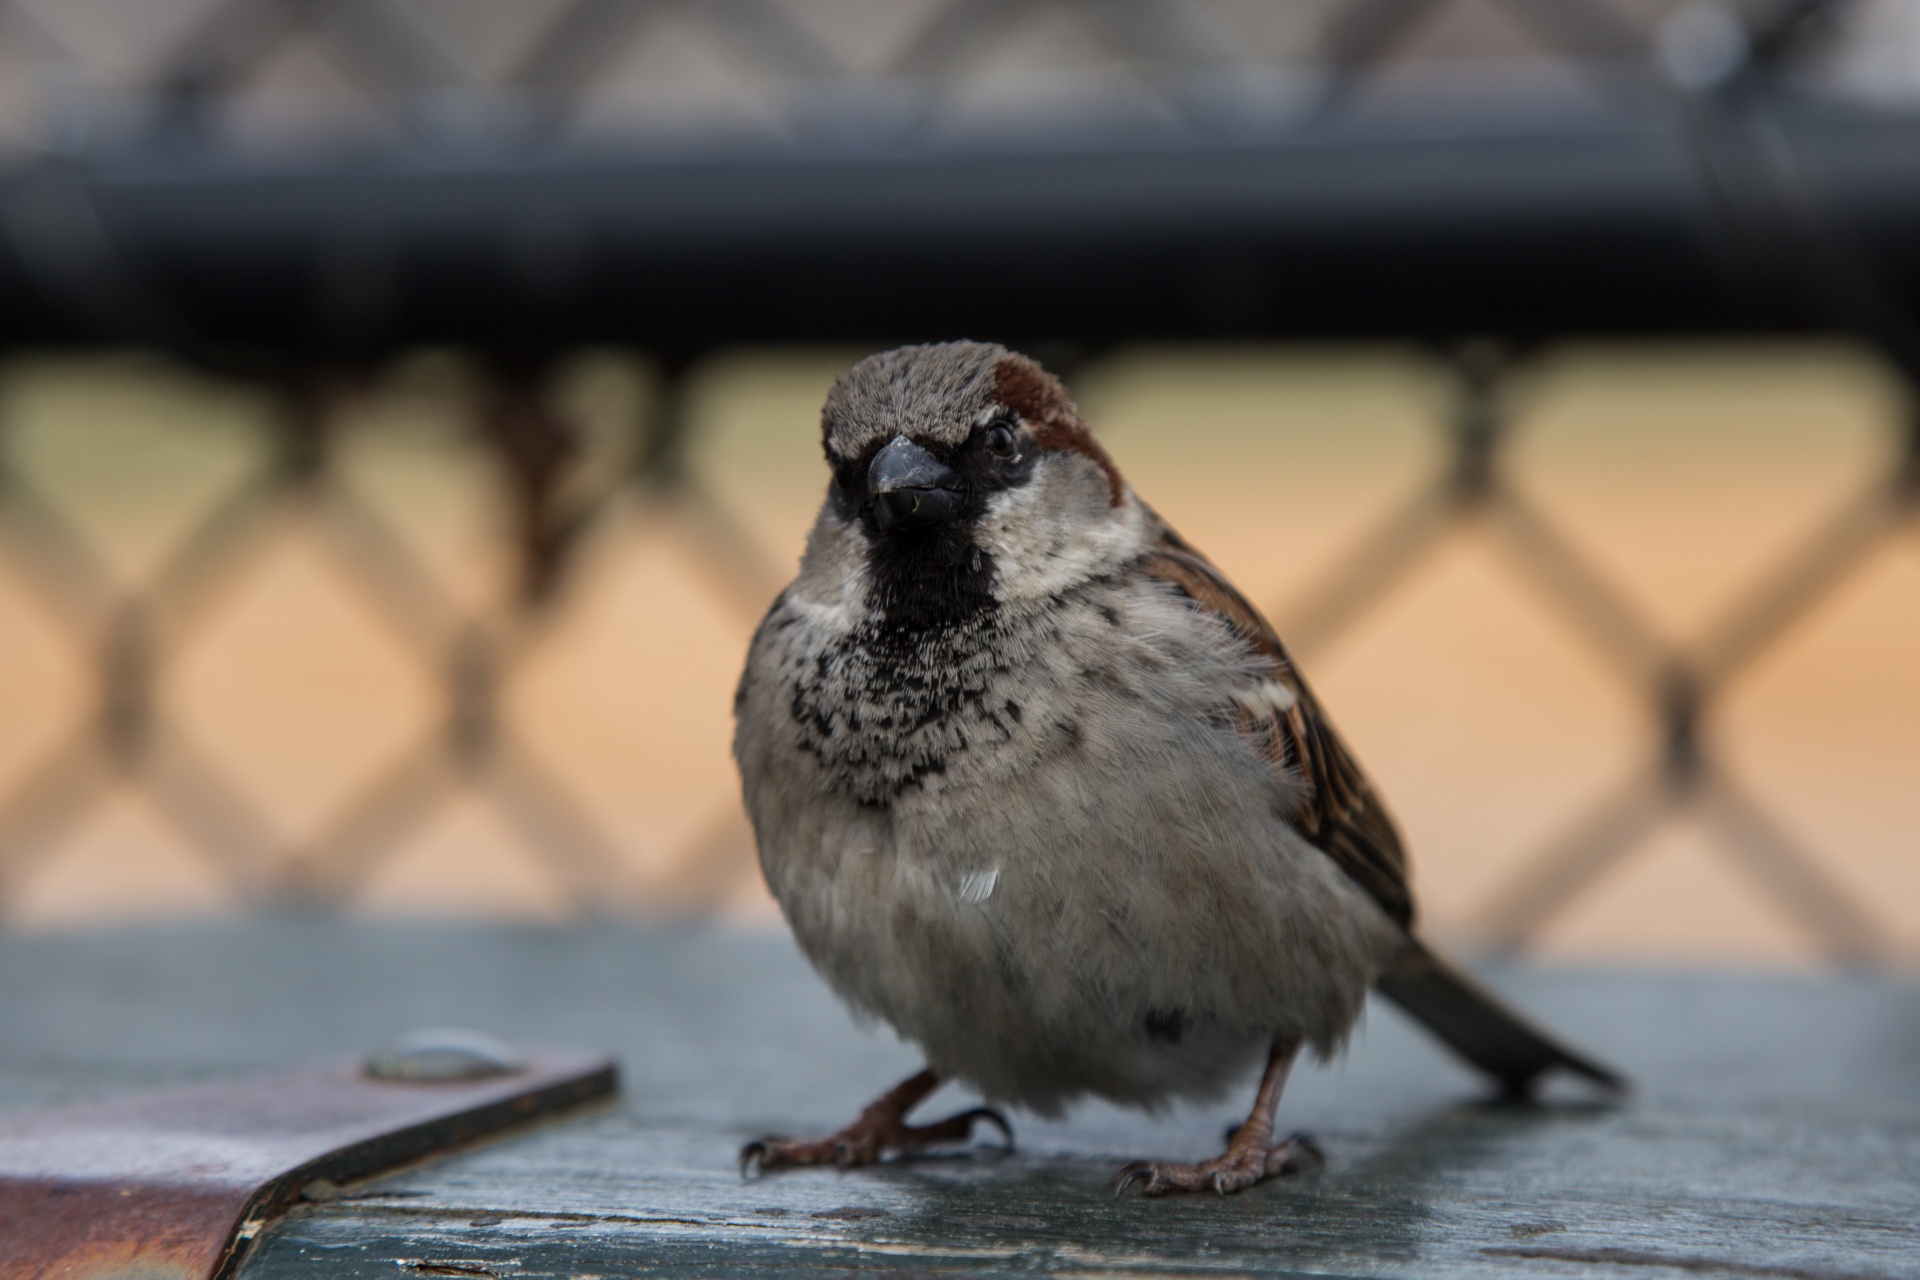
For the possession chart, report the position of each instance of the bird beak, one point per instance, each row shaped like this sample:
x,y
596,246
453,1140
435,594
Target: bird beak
x,y
910,488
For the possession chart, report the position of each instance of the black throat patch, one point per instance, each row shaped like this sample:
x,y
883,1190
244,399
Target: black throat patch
x,y
927,579
888,707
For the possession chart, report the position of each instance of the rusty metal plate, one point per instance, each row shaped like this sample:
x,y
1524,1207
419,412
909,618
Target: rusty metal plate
x,y
173,1184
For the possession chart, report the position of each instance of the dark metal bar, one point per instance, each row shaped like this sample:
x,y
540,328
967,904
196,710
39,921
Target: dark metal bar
x,y
1597,226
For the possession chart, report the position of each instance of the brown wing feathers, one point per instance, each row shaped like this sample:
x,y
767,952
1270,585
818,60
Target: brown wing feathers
x,y
1341,816
1339,813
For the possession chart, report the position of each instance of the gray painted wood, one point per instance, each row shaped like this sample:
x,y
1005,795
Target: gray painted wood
x,y
1775,1133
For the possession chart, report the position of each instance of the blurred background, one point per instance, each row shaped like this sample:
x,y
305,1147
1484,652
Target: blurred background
x,y
408,407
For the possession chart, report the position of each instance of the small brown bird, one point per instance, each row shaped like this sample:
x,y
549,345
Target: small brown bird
x,y
1033,783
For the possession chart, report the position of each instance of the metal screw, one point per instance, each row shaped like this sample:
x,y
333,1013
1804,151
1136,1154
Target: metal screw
x,y
436,1055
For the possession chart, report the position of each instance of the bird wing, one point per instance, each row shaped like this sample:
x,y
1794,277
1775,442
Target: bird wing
x,y
1338,811
1342,816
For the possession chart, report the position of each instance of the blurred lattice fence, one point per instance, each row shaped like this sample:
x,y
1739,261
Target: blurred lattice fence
x,y
358,645
299,619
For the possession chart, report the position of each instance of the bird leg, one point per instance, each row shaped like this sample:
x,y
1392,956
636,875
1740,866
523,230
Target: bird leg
x,y
881,1128
1251,1153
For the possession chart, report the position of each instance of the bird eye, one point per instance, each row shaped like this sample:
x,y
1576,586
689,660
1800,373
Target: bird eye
x,y
1001,442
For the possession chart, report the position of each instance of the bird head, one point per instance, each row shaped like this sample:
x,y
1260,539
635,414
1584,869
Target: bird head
x,y
962,475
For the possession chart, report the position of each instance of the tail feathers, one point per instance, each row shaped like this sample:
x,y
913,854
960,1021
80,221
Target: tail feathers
x,y
1478,1025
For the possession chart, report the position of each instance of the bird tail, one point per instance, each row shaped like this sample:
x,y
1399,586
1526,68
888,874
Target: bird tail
x,y
1478,1025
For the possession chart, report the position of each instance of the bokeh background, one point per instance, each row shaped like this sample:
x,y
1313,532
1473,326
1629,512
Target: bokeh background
x,y
1625,630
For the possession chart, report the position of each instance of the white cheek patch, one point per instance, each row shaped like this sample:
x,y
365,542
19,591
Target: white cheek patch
x,y
832,587
1271,698
1057,531
979,885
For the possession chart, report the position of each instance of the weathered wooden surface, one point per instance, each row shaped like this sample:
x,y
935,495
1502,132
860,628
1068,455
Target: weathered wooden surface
x,y
1776,1131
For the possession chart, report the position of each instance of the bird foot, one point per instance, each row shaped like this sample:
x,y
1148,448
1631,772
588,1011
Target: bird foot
x,y
1243,1164
864,1141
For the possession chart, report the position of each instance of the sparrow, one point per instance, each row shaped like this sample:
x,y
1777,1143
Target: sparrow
x,y
1036,786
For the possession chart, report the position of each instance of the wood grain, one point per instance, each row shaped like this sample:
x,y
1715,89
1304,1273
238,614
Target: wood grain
x,y
1776,1132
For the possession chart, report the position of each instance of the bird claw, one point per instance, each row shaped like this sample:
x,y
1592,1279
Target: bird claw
x,y
764,1155
866,1140
1233,1171
1139,1170
1300,1153
993,1118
